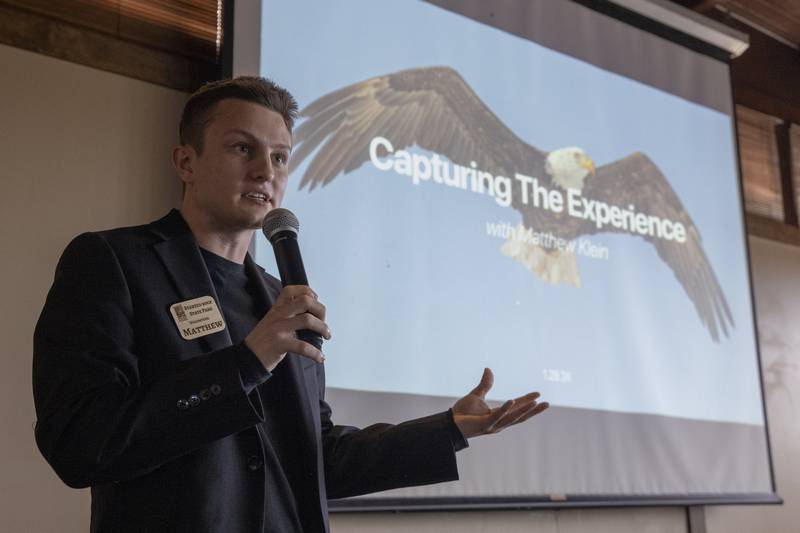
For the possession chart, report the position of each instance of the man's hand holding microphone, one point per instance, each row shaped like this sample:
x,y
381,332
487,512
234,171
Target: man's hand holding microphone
x,y
296,321
297,308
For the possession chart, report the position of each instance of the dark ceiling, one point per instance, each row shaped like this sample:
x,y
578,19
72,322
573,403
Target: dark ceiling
x,y
781,18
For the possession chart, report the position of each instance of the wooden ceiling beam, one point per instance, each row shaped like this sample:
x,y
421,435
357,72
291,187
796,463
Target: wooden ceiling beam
x,y
706,6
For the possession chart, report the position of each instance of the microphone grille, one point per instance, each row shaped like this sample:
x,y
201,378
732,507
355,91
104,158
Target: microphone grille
x,y
280,219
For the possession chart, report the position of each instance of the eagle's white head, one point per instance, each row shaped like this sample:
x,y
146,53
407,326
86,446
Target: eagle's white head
x,y
569,167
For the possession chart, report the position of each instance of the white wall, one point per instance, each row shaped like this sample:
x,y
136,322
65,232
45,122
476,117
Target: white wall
x,y
776,280
82,149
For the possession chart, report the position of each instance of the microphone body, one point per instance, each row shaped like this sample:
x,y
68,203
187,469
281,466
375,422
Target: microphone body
x,y
281,229
287,256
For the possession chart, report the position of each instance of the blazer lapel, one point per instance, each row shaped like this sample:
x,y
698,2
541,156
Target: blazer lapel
x,y
184,263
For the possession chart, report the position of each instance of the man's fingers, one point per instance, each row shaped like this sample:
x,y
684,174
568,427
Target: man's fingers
x,y
529,396
298,304
487,380
497,415
522,410
306,350
530,413
519,415
511,412
291,292
519,408
307,321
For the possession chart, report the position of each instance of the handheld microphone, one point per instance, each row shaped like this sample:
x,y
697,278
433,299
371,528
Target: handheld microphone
x,y
281,228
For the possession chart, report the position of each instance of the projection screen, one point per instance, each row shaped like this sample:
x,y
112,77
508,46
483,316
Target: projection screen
x,y
539,188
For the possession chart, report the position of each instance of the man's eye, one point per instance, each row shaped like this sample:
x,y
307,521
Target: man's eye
x,y
280,158
243,148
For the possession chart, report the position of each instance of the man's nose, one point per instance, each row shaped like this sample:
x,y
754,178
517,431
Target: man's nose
x,y
264,169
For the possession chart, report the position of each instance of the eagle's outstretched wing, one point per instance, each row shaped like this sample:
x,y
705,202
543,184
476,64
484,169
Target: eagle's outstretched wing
x,y
432,108
435,109
635,180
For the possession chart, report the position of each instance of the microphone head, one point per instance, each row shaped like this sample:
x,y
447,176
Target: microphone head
x,y
278,220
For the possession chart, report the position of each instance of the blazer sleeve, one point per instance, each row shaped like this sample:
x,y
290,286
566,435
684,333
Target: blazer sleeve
x,y
386,456
101,416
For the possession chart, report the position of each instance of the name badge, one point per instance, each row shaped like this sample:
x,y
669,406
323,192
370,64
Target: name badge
x,y
197,317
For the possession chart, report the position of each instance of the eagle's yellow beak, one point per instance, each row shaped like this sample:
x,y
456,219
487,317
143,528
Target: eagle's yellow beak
x,y
588,164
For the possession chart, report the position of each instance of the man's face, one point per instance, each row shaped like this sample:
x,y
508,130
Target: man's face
x,y
243,169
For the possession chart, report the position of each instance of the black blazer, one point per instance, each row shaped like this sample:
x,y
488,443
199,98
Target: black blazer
x,y
112,376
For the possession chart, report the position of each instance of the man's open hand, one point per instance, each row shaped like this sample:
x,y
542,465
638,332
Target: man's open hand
x,y
474,417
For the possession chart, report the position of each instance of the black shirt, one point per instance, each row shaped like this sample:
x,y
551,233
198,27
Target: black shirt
x,y
278,433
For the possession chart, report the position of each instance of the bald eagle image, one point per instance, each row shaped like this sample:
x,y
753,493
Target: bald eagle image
x,y
436,110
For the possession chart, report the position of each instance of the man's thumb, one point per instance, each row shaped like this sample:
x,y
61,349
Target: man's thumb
x,y
487,380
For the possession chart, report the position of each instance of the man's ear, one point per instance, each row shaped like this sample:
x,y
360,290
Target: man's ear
x,y
183,158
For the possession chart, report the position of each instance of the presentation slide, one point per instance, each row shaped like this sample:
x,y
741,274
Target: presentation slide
x,y
470,197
